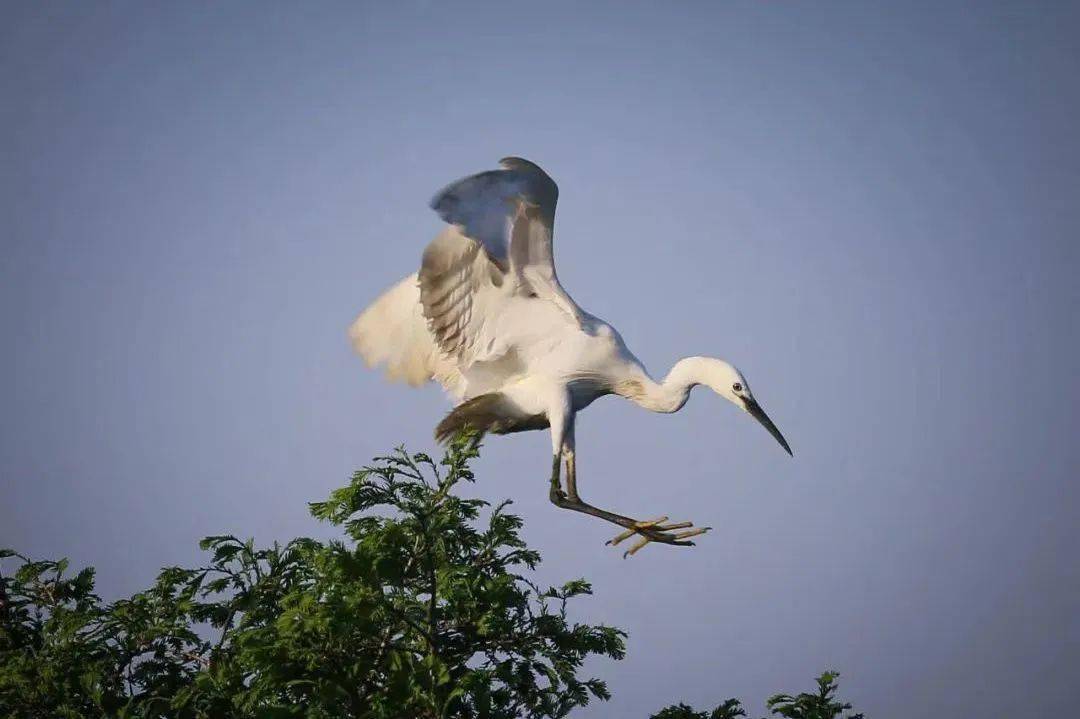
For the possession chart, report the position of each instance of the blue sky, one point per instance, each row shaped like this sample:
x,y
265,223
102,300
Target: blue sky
x,y
869,207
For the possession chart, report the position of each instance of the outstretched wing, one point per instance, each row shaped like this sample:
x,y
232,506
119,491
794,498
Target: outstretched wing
x,y
498,250
392,332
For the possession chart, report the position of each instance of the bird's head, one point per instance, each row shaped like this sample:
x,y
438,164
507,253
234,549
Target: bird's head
x,y
728,382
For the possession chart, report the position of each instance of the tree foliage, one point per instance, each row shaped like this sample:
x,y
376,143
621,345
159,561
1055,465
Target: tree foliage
x,y
730,709
821,705
423,608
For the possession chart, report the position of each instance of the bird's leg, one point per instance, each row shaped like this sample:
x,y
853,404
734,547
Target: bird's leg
x,y
571,475
555,494
654,530
568,447
561,419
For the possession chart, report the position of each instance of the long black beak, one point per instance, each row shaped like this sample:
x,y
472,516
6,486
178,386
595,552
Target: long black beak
x,y
759,414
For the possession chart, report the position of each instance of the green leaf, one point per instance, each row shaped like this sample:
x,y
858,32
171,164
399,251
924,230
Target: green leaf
x,y
335,628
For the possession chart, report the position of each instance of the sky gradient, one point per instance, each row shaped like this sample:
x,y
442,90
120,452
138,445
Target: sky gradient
x,y
870,208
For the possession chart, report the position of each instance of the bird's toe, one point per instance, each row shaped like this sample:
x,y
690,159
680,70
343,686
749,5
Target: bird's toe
x,y
657,530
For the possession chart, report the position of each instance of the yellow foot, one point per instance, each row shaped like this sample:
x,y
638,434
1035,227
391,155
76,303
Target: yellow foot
x,y
655,530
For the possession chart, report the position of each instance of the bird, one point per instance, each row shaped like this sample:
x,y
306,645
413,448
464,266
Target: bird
x,y
487,318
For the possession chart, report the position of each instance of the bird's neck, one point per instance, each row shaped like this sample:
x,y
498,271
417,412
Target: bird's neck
x,y
670,394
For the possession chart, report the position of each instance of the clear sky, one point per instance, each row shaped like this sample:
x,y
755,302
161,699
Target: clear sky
x,y
870,207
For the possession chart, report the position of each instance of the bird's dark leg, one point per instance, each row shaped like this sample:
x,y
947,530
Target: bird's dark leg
x,y
649,531
555,494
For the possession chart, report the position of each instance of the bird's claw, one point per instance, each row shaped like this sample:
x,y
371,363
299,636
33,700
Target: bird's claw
x,y
655,530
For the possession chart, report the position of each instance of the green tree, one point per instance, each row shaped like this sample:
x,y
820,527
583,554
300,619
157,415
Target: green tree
x,y
822,705
730,709
422,610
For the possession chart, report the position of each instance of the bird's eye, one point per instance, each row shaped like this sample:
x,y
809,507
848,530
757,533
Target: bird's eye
x,y
737,387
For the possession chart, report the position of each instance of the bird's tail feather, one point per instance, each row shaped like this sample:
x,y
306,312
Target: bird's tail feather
x,y
493,412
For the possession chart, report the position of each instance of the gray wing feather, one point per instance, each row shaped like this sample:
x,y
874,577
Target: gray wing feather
x,y
448,281
500,243
487,205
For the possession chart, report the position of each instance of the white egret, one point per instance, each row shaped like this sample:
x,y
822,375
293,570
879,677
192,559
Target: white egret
x,y
487,318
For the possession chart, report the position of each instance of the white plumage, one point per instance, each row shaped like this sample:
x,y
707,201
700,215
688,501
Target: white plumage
x,y
393,333
487,318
